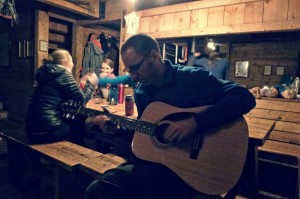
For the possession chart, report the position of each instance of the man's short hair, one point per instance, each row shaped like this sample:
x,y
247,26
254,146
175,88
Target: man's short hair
x,y
141,43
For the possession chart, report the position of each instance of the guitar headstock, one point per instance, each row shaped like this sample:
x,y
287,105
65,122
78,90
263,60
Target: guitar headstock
x,y
70,108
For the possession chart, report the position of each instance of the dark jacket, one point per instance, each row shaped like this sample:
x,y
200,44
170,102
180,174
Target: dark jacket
x,y
54,85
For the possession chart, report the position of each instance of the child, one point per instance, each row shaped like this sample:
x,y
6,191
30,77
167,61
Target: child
x,y
107,68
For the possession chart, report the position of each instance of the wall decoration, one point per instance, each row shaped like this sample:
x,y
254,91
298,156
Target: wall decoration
x,y
43,45
241,68
268,70
280,70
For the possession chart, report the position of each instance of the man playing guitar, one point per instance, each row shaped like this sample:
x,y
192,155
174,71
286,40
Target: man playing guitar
x,y
175,90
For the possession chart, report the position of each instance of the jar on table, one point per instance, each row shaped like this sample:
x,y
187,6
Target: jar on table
x,y
113,95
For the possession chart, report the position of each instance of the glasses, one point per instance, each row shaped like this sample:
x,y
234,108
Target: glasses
x,y
134,69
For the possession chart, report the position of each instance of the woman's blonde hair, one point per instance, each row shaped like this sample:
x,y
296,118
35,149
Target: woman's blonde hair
x,y
57,57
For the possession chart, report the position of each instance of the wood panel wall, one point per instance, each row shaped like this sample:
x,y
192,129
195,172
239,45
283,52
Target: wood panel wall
x,y
209,17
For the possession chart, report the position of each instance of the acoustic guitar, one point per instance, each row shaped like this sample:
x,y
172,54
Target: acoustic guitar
x,y
221,158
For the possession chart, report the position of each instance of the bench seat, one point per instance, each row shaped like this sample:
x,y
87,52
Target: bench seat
x,y
98,165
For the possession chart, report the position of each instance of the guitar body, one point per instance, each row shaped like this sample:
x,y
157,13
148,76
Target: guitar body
x,y
220,161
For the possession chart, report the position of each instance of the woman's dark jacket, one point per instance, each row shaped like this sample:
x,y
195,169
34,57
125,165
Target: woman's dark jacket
x,y
54,85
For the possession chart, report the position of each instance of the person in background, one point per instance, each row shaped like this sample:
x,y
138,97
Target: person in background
x,y
211,61
179,86
107,69
44,123
55,84
108,77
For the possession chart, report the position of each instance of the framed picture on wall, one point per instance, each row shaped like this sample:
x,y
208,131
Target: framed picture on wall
x,y
268,70
280,70
241,69
43,46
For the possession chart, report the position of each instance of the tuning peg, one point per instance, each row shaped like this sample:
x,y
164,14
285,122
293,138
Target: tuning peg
x,y
70,116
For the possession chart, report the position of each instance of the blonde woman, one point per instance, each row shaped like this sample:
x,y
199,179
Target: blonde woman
x,y
55,84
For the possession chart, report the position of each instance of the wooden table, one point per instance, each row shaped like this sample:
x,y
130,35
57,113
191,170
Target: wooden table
x,y
259,130
119,109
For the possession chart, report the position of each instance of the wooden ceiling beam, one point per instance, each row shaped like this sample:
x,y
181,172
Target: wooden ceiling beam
x,y
65,5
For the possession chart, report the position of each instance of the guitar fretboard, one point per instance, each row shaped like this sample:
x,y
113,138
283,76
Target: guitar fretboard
x,y
132,124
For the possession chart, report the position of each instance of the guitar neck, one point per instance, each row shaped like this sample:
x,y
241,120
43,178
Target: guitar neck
x,y
129,123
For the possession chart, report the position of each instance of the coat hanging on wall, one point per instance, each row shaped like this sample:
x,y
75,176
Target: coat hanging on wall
x,y
110,50
104,42
93,56
8,11
113,53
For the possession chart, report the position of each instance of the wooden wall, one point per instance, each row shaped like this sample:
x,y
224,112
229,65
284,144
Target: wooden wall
x,y
277,54
209,17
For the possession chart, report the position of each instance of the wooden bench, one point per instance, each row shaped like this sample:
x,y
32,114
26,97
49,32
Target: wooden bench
x,y
281,152
69,161
98,165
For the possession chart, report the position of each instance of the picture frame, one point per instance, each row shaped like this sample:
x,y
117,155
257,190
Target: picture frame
x,y
242,69
280,70
267,70
43,46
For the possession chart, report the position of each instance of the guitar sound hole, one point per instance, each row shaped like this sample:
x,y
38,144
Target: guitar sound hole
x,y
160,131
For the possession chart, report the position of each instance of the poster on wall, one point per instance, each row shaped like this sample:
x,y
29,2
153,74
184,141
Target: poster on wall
x,y
4,52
